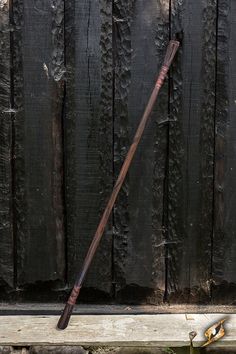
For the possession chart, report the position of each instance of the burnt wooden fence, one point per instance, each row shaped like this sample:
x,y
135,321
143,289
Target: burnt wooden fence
x,y
75,76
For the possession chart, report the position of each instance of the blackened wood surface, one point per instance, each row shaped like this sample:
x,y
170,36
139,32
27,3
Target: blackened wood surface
x,y
70,102
224,241
88,135
191,147
38,74
6,115
140,38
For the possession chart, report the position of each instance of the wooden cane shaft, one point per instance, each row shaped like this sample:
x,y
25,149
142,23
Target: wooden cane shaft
x,y
116,189
171,50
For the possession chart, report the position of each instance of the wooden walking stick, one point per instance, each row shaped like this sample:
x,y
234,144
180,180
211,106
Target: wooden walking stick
x,y
65,317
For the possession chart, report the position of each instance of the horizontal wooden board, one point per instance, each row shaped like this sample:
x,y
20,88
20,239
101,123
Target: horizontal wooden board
x,y
126,330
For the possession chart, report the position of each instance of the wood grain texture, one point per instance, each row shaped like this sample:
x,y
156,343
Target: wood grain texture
x,y
88,136
38,86
140,38
224,244
174,228
191,147
6,116
126,330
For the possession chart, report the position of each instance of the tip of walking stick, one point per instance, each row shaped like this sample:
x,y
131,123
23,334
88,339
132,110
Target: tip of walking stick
x,y
65,317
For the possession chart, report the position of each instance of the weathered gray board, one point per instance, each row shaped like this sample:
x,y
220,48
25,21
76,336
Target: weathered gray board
x,y
127,330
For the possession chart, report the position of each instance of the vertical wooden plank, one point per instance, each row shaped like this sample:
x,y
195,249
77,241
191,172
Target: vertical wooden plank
x,y
224,243
38,90
6,229
191,146
141,33
88,135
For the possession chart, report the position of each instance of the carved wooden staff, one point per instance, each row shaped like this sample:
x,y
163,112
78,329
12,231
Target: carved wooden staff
x,y
65,317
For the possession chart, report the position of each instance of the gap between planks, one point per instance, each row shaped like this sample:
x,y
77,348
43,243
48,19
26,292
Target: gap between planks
x,y
125,309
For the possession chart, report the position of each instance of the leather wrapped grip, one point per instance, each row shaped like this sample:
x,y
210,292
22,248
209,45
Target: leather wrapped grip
x,y
170,53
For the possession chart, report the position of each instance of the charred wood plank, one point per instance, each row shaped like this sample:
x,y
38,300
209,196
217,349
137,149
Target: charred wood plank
x,y
191,150
38,94
224,242
88,136
6,119
141,32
